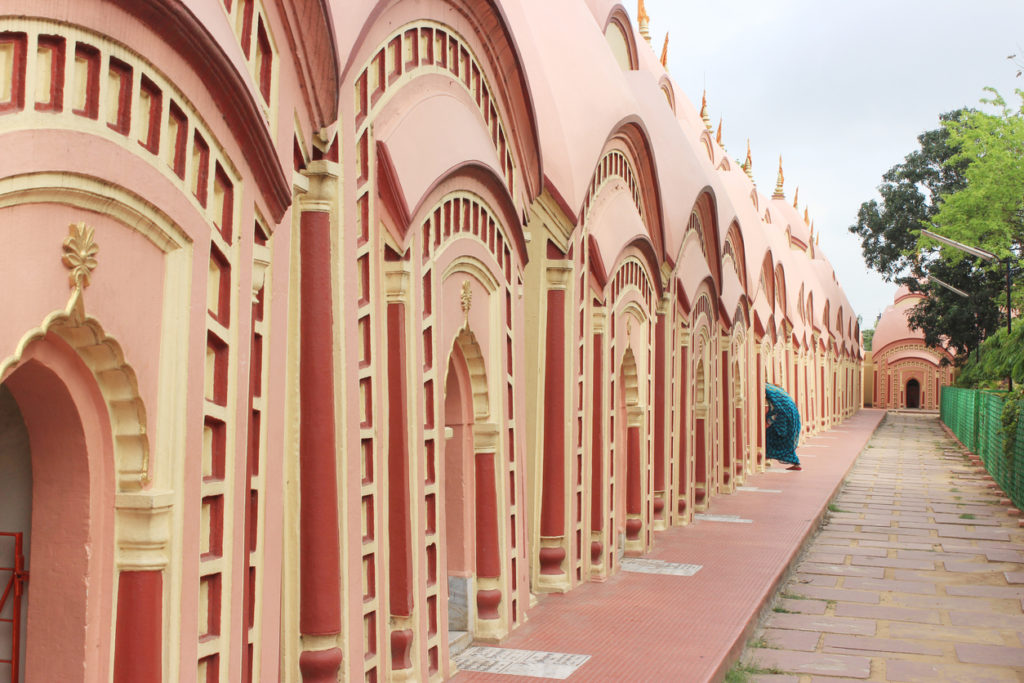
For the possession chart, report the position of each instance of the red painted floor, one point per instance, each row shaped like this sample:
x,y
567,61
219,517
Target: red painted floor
x,y
643,627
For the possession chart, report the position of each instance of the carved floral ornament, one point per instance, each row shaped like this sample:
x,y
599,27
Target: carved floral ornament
x,y
466,300
80,254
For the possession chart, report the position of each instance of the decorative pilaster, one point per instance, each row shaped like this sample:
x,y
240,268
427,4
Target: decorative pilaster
x,y
319,545
661,341
553,542
490,622
397,275
143,535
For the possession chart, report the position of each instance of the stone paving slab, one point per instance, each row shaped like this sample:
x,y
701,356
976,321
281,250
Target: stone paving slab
x,y
943,600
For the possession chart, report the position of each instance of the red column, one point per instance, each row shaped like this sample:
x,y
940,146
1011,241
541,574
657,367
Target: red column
x,y
634,485
726,430
597,449
399,524
659,418
488,557
552,512
683,436
319,552
138,638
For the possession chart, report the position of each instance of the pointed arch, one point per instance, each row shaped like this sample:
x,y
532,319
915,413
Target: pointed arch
x,y
706,210
617,27
116,379
628,156
734,247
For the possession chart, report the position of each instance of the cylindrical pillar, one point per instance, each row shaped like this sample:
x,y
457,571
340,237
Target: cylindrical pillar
x,y
319,549
138,636
552,514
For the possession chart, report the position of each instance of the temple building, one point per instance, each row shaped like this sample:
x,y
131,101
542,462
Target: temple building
x,y
903,372
337,332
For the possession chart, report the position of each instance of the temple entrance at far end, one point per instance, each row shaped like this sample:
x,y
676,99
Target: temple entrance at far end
x,y
913,394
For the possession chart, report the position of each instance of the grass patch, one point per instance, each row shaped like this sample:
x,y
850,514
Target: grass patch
x,y
958,497
794,596
741,673
967,515
954,490
782,610
761,643
832,507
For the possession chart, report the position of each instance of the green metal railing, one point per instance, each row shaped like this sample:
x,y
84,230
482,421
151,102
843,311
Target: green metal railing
x,y
975,416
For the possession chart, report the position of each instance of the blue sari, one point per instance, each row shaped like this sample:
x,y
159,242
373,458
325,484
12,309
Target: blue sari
x,y
782,426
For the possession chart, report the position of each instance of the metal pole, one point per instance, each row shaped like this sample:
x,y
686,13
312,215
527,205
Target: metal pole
x,y
1009,321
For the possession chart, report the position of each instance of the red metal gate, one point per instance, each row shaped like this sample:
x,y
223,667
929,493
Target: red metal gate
x,y
13,589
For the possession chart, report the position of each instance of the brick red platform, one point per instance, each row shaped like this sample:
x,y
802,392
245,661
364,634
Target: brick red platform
x,y
645,627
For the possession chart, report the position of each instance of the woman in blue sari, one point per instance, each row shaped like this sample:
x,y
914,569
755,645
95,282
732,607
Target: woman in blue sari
x,y
782,426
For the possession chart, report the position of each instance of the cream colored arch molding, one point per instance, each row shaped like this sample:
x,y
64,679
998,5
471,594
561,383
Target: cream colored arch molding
x,y
104,358
141,522
466,341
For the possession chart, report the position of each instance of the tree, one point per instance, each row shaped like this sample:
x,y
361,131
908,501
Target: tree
x,y
912,193
868,336
948,319
988,210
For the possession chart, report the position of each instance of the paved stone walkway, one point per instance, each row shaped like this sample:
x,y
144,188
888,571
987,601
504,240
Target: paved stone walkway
x,y
918,575
689,627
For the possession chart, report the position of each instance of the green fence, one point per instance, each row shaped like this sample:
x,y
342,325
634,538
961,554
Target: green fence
x,y
975,417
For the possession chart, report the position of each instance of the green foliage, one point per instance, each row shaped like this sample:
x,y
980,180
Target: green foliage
x,y
868,336
912,194
988,211
1013,408
995,359
950,320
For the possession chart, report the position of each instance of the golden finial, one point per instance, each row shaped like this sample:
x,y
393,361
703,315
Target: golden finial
x,y
718,135
748,163
817,240
779,194
796,196
807,218
642,19
704,110
80,254
664,53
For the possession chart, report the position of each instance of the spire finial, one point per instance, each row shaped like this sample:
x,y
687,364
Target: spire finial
x,y
664,53
796,196
807,218
704,110
748,163
718,135
779,194
817,240
643,20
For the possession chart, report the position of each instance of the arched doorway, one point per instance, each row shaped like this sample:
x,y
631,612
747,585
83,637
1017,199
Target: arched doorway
x,y
913,394
458,499
16,520
53,406
470,510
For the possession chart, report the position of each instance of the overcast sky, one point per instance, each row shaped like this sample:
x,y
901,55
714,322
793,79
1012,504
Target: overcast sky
x,y
840,89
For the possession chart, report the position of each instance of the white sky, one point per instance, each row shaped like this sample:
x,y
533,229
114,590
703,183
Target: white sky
x,y
840,89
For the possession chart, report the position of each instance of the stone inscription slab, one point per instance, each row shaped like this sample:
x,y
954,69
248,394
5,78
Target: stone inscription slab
x,y
500,660
736,519
641,566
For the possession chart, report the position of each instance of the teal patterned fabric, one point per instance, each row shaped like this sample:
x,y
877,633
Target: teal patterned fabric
x,y
782,425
